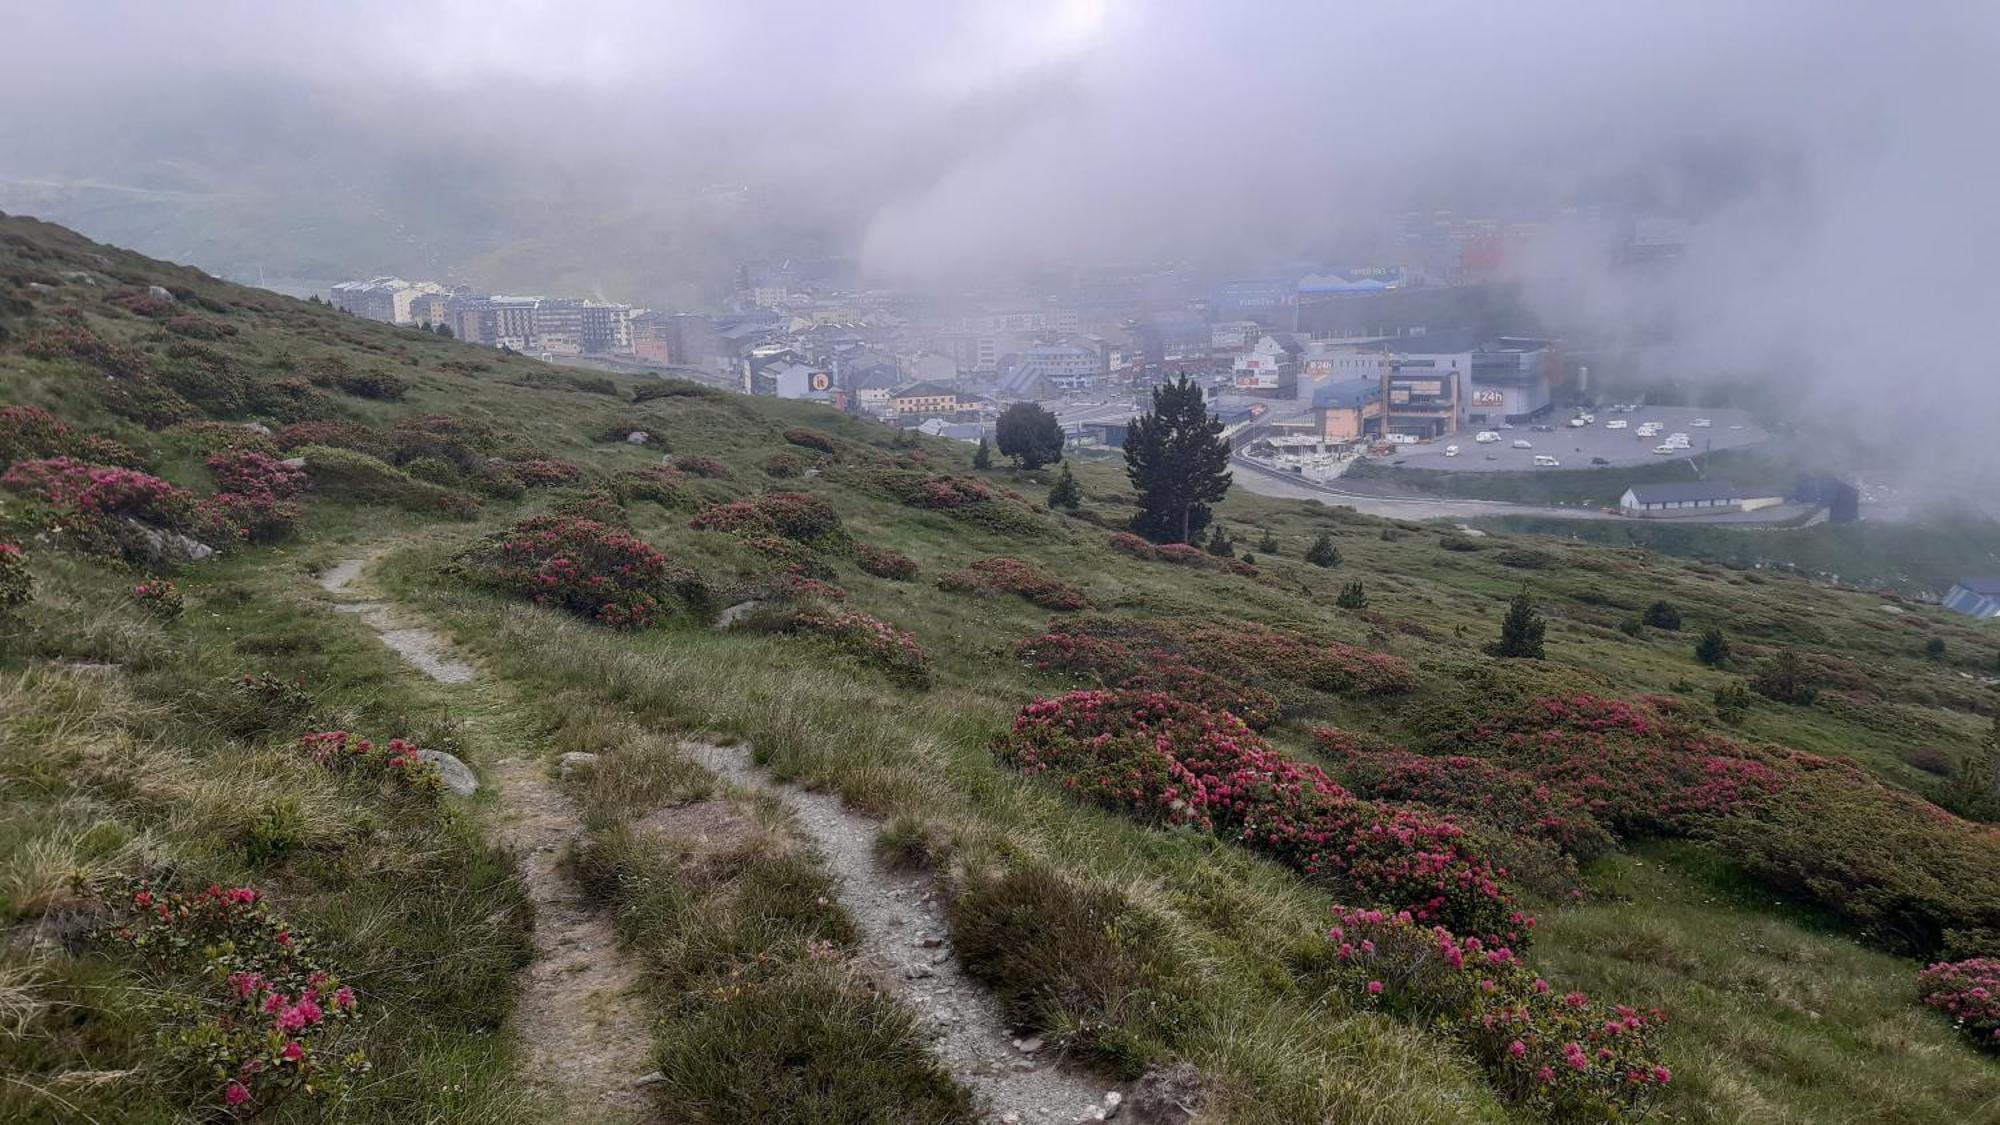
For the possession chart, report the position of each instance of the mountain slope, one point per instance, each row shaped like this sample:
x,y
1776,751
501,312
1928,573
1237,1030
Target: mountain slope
x,y
1155,942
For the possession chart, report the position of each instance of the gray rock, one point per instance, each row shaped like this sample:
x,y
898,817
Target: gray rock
x,y
456,775
257,428
170,546
158,293
735,613
575,760
638,437
654,1079
294,462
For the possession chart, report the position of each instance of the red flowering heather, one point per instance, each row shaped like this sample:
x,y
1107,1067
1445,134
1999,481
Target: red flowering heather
x,y
63,340
1114,664
1562,1057
30,431
103,491
870,640
807,438
794,515
1171,761
1012,576
695,465
396,761
1499,796
1181,554
265,1022
1968,992
1126,543
248,471
160,597
546,472
595,571
884,562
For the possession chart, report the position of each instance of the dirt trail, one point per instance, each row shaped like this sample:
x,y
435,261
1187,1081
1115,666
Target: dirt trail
x,y
582,1027
905,943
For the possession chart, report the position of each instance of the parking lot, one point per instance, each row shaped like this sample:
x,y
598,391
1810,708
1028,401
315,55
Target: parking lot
x,y
1589,447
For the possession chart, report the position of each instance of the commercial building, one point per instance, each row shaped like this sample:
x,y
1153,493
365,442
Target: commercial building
x,y
1349,409
1270,367
1513,380
1974,597
1681,498
924,400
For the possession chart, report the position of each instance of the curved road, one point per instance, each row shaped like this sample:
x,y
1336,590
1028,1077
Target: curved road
x,y
1270,482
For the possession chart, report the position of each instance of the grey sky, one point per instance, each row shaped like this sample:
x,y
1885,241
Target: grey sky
x,y
1835,155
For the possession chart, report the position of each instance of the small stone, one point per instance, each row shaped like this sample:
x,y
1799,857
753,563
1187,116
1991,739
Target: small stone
x,y
1030,1045
456,775
931,942
654,1079
1112,1101
638,437
293,462
159,293
918,972
573,761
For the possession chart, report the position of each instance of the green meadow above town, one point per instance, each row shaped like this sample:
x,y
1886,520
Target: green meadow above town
x,y
1263,830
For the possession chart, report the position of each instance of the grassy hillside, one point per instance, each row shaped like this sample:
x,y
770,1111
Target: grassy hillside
x,y
1770,875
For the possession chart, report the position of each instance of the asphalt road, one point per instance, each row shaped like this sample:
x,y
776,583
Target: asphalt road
x,y
1265,482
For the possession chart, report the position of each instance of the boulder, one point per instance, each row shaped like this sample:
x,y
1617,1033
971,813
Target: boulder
x,y
456,775
638,437
573,761
735,613
257,428
294,462
159,293
169,547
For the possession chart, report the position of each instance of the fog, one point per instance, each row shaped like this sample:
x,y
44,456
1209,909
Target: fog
x,y
1833,161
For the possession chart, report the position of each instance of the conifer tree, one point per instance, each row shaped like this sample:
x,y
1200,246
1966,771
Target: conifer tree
x,y
1521,630
1177,458
1065,493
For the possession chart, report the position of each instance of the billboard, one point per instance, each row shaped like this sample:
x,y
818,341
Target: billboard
x,y
821,381
1489,398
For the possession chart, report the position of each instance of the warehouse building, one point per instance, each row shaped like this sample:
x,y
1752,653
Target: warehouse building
x,y
1974,597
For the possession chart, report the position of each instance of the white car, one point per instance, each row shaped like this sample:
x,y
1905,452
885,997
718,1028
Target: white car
x,y
1702,423
1579,422
1451,451
1544,461
1666,450
1486,437
1618,424
1523,443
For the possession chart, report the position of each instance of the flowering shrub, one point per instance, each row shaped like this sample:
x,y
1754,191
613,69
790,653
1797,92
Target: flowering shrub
x,y
546,472
869,639
1113,664
1173,762
195,327
807,438
884,562
1126,543
161,598
69,340
249,471
1968,992
249,1017
794,587
17,586
30,431
340,435
785,465
1560,1056
209,437
1012,576
1503,797
101,490
963,498
255,502
1320,665
396,762
594,570
794,515
1181,554
695,465
656,483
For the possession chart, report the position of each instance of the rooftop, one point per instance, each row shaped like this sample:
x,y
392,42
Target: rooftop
x,y
1347,395
1987,586
1683,491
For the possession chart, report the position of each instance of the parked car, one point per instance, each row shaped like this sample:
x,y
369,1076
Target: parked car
x,y
1544,461
1702,423
1486,437
1451,451
1617,424
1599,461
1665,450
1523,443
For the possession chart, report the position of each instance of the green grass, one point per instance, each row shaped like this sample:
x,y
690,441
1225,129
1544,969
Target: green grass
x,y
1128,946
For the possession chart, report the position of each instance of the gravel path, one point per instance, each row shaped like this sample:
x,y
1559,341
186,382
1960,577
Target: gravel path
x,y
584,1034
905,943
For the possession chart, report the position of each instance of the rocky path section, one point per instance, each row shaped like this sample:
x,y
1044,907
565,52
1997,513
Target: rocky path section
x,y
905,944
583,1030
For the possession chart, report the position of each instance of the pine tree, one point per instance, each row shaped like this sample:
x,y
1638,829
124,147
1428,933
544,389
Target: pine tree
x,y
1712,648
1352,596
1065,493
1029,434
443,329
1521,630
1178,460
982,458
1323,552
1975,784
1220,545
1268,544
